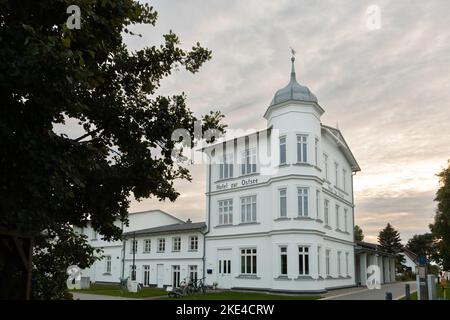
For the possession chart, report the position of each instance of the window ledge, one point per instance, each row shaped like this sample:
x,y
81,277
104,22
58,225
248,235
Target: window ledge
x,y
281,165
224,180
303,218
285,278
302,278
317,168
176,250
331,278
160,251
106,274
282,219
319,220
224,225
247,223
320,278
327,227
146,252
193,250
247,276
249,175
303,164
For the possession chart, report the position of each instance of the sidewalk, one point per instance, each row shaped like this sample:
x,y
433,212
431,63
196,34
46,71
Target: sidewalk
x,y
362,293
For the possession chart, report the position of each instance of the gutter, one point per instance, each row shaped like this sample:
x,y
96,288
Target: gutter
x,y
209,219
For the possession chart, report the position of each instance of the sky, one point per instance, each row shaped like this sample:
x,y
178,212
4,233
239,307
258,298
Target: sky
x,y
386,85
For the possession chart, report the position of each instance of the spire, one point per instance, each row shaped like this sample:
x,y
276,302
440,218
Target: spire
x,y
293,68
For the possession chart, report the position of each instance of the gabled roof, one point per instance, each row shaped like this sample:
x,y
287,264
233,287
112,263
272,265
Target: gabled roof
x,y
342,144
362,246
177,227
157,211
410,254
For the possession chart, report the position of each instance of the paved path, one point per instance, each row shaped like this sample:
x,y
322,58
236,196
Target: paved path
x,y
90,296
362,293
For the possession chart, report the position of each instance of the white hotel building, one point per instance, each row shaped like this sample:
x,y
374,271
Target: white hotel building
x,y
279,212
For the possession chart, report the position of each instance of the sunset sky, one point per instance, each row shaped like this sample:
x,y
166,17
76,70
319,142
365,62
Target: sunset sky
x,y
388,89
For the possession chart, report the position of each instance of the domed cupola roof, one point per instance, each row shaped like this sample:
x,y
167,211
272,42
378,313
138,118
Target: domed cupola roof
x,y
293,91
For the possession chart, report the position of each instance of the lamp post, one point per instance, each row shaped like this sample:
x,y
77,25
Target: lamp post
x,y
133,272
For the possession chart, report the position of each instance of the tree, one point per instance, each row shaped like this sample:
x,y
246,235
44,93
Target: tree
x,y
389,240
441,226
423,245
358,233
51,73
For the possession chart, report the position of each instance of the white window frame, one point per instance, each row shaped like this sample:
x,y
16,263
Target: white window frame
x,y
302,148
319,265
176,244
344,179
226,168
146,275
193,269
326,212
147,246
249,162
193,243
161,244
251,253
283,152
246,203
317,203
338,224
316,151
346,264
303,202
325,165
339,268
304,252
283,253
108,264
327,262
345,219
282,199
225,211
336,173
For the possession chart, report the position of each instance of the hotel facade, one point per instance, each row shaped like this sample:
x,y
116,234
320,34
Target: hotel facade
x,y
279,212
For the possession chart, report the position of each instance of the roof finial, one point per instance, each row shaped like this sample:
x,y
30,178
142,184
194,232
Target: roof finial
x,y
292,60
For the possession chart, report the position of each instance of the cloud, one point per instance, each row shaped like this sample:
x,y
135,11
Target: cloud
x,y
388,89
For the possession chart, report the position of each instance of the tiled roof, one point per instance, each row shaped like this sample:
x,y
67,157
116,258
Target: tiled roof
x,y
187,226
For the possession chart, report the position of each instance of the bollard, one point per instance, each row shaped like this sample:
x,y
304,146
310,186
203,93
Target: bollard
x,y
388,296
407,292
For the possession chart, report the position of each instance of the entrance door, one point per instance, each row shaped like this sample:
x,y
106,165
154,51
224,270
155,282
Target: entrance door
x,y
224,268
160,275
146,275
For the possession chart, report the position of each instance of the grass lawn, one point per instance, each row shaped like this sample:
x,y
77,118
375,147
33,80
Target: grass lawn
x,y
115,290
235,295
439,292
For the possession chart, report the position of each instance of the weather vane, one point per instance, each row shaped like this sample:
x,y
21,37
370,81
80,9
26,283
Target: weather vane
x,y
292,52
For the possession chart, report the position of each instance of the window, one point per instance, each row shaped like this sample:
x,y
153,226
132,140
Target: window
x,y
344,180
282,150
226,212
339,262
193,273
302,147
226,167
146,275
337,217
345,219
325,211
147,245
316,151
302,202
319,266
248,209
176,244
283,261
248,165
317,203
336,173
108,264
283,203
303,260
193,243
325,165
175,276
224,267
133,246
327,262
248,261
161,245
346,264
94,234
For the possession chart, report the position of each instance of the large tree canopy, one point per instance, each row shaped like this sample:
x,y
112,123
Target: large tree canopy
x,y
423,245
49,73
441,226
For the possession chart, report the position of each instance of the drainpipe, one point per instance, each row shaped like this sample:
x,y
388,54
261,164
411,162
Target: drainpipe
x,y
209,218
123,253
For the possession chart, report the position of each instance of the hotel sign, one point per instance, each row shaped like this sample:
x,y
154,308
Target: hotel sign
x,y
236,184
